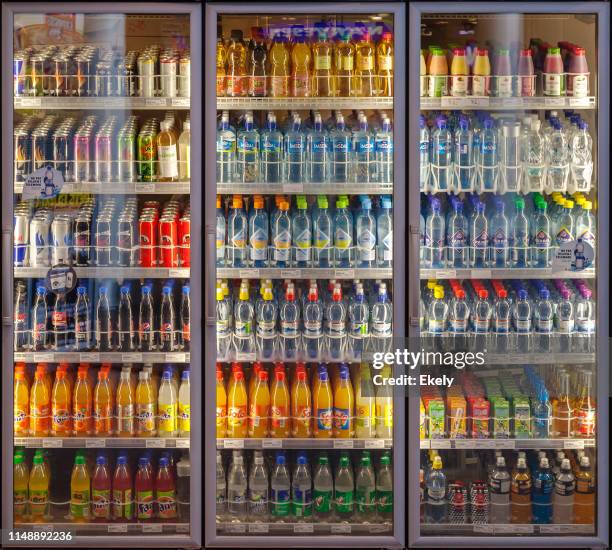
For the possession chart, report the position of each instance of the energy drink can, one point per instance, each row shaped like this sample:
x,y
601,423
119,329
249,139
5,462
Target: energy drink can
x,y
184,241
37,75
185,76
82,239
168,242
20,71
147,155
23,153
40,243
103,240
104,158
147,229
82,158
126,155
21,238
125,241
39,140
146,76
62,158
61,240
60,75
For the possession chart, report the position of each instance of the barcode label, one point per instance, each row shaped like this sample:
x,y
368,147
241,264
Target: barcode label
x,y
291,273
180,102
132,357
248,274
155,102
303,528
374,444
343,444
120,528
43,357
293,187
89,357
175,357
573,444
145,188
258,528
233,444
272,443
344,273
155,443
95,443
440,444
182,443
152,528
339,529
52,443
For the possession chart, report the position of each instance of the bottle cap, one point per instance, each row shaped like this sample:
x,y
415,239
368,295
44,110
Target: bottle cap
x,y
437,463
79,459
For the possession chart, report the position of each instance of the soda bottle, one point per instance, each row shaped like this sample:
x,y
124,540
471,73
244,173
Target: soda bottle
x,y
236,406
301,56
344,490
384,489
184,407
82,324
103,321
280,425
103,406
258,79
165,492
543,484
365,490
126,334
146,406
281,490
123,507
59,322
301,490
40,320
125,405
20,323
40,406
82,404
323,406
167,322
301,406
167,406
21,404
143,487
436,508
259,407
185,320
279,66
236,488
20,487
221,405
145,325
221,490
323,490
80,490
101,491
61,406
38,488
259,501
384,407
344,404
365,404
585,408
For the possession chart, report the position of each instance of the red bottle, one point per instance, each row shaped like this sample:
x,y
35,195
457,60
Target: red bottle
x,y
165,491
144,491
123,507
101,491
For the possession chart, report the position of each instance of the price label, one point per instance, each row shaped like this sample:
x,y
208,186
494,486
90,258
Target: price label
x,y
486,444
452,102
181,272
180,102
503,444
43,357
482,528
512,101
303,528
233,443
579,101
374,444
550,528
95,443
293,187
237,528
151,528
258,528
573,444
272,443
182,528
425,444
175,357
446,274
119,528
20,442
343,443
155,102
52,443
340,529
248,274
291,273
145,188
464,444
344,273
132,357
378,528
155,443
440,444
477,102
182,443
554,101
246,357
44,527
89,357
35,102
481,273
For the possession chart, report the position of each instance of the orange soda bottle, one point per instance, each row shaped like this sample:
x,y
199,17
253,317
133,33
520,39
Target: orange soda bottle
x,y
40,406
259,407
237,406
344,406
125,405
61,405
21,403
301,405
103,405
280,425
221,410
323,406
82,403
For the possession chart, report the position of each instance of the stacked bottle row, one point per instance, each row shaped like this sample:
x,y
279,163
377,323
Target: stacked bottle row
x,y
477,152
540,489
277,234
92,492
504,405
110,403
355,149
359,491
292,321
539,69
506,232
319,61
120,320
326,401
532,315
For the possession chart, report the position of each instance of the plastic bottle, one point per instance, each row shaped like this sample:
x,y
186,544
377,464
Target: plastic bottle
x,y
237,407
384,63
457,237
365,235
279,66
584,497
323,406
499,232
344,490
499,493
526,81
459,73
322,233
38,489
281,490
436,506
21,405
435,236
541,237
438,71
236,79
237,228
258,501
340,139
441,157
519,239
318,147
101,491
184,406
585,410
553,74
20,488
226,152
384,234
146,324
344,405
365,404
40,407
502,70
301,61
581,167
364,153
365,73
335,315
578,77
59,323
258,78
463,156
103,406
146,406
184,152
563,497
259,407
280,425
302,233
221,503
481,73
424,154
301,490
384,407
558,159
123,506
343,234
271,152
295,153
125,405
520,494
323,77
543,484
167,406
80,491
165,492
488,157
384,489
323,490
144,490
365,491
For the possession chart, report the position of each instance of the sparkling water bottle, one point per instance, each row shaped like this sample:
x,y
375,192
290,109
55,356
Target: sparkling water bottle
x,y
383,146
271,146
519,240
258,502
365,235
457,237
322,230
343,234
341,152
301,490
479,238
499,231
237,489
464,158
424,150
581,146
384,234
488,158
318,152
295,153
226,152
434,236
441,157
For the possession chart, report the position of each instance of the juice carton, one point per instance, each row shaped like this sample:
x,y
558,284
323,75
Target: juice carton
x,y
436,412
479,410
521,411
457,416
422,430
501,418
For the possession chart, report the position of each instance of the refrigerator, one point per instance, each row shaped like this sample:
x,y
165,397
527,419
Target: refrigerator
x,y
288,90
100,319
514,452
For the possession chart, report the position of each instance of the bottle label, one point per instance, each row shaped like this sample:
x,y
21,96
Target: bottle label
x,y
504,86
543,486
457,325
258,504
542,239
82,417
580,85
167,417
79,504
166,504
499,486
365,416
585,422
59,320
436,325
145,418
502,326
282,243
238,239
20,420
366,241
279,416
236,416
123,507
302,503
280,502
480,85
61,418
521,486
552,84
100,505
20,499
246,146
125,419
38,501
585,325
365,62
566,326
168,161
458,238
500,242
271,146
40,418
365,146
301,85
523,325
322,239
102,418
545,325
435,495
226,145
324,419
342,419
527,89
279,86
144,504
344,501
184,417
342,238
582,486
459,85
322,501
366,499
346,64
257,413
385,63
322,62
565,488
385,413
234,85
385,501
257,86
259,244
481,240
563,235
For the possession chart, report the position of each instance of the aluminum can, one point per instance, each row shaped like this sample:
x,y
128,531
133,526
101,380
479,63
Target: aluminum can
x,y
20,71
168,76
125,241
59,80
147,229
62,157
82,239
146,76
37,75
103,241
23,153
61,240
185,76
82,156
185,241
147,155
168,242
126,155
40,242
85,76
21,239
39,139
104,157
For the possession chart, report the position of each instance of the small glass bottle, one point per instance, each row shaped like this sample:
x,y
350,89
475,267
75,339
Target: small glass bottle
x,y
167,152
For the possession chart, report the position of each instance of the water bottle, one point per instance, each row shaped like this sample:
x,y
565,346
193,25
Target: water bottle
x,y
322,231
441,157
464,158
383,146
302,234
585,225
266,325
457,237
384,489
247,158
565,224
323,491
167,322
318,152
335,315
581,146
434,236
281,490
382,318
365,235
258,501
237,228
499,236
543,483
145,321
341,152
103,321
359,315
226,152
541,255
534,159
585,319
424,150
343,234
363,153
289,321
281,236
221,490
40,321
510,158
437,314
244,314
220,234
563,496
384,234
313,324
479,238
301,490
295,153
126,331
259,233
519,240
344,490
435,498
271,146
482,319
499,493
557,160
488,167
237,489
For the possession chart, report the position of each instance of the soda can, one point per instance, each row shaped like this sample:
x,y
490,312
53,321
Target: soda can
x,y
103,80
21,239
147,229
82,239
39,147
23,153
103,241
39,241
60,66
82,156
146,76
125,241
62,149
168,242
185,241
185,76
147,156
37,75
130,85
61,240
126,155
104,158
85,76
168,76
20,71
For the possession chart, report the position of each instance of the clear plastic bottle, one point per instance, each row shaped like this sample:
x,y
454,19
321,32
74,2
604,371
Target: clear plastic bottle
x,y
236,488
259,488
226,152
563,497
281,491
103,322
344,490
82,322
301,490
323,491
435,498
184,152
499,493
365,491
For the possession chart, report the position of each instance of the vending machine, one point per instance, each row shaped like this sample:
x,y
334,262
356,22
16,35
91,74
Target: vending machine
x,y
509,210
101,323
304,192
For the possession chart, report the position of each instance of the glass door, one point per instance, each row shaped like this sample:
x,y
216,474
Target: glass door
x,y
102,433
510,183
304,293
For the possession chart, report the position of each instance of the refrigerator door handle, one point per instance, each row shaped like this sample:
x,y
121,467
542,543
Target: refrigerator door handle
x,y
7,235
211,314
413,255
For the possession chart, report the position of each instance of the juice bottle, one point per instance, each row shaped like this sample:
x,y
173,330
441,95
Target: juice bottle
x,y
20,487
184,152
237,407
438,73
221,410
365,73
520,494
80,490
101,491
143,488
40,406
578,77
365,404
257,366
301,57
279,66
345,66
481,73
384,58
146,406
167,152
82,404
344,405
323,406
554,77
221,55
423,76
584,497
259,407
47,376
123,508
103,406
526,87
585,408
258,78
503,74
61,406
563,411
236,81
280,425
301,406
184,407
322,51
167,406
384,407
38,487
125,405
459,73
165,491
21,405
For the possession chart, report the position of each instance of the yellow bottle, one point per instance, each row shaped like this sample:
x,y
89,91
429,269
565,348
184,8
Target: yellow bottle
x,y
21,405
40,406
344,406
220,59
322,51
167,152
237,407
280,425
365,73
38,487
257,366
384,63
221,409
146,406
80,491
20,488
279,67
103,406
125,405
323,406
301,405
259,407
235,80
82,404
167,406
365,404
384,407
301,57
61,406
345,66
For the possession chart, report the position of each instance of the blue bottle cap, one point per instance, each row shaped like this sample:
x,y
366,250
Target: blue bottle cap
x,y
103,290
80,290
125,289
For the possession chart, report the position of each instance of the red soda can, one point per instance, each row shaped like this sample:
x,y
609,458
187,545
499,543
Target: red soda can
x,y
168,241
147,227
184,241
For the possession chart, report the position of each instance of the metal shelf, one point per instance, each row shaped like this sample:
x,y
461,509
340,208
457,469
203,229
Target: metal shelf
x,y
507,103
103,103
102,357
304,528
303,273
306,188
109,272
303,443
323,357
541,358
304,103
504,529
502,273
103,442
119,188
498,444
106,528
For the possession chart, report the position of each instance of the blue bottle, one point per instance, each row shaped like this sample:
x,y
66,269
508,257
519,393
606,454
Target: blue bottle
x,y
271,146
295,153
457,237
318,152
363,153
499,230
384,234
343,234
322,229
479,237
365,235
519,240
220,234
302,234
542,413
542,492
488,157
259,234
434,236
341,151
383,145
464,157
